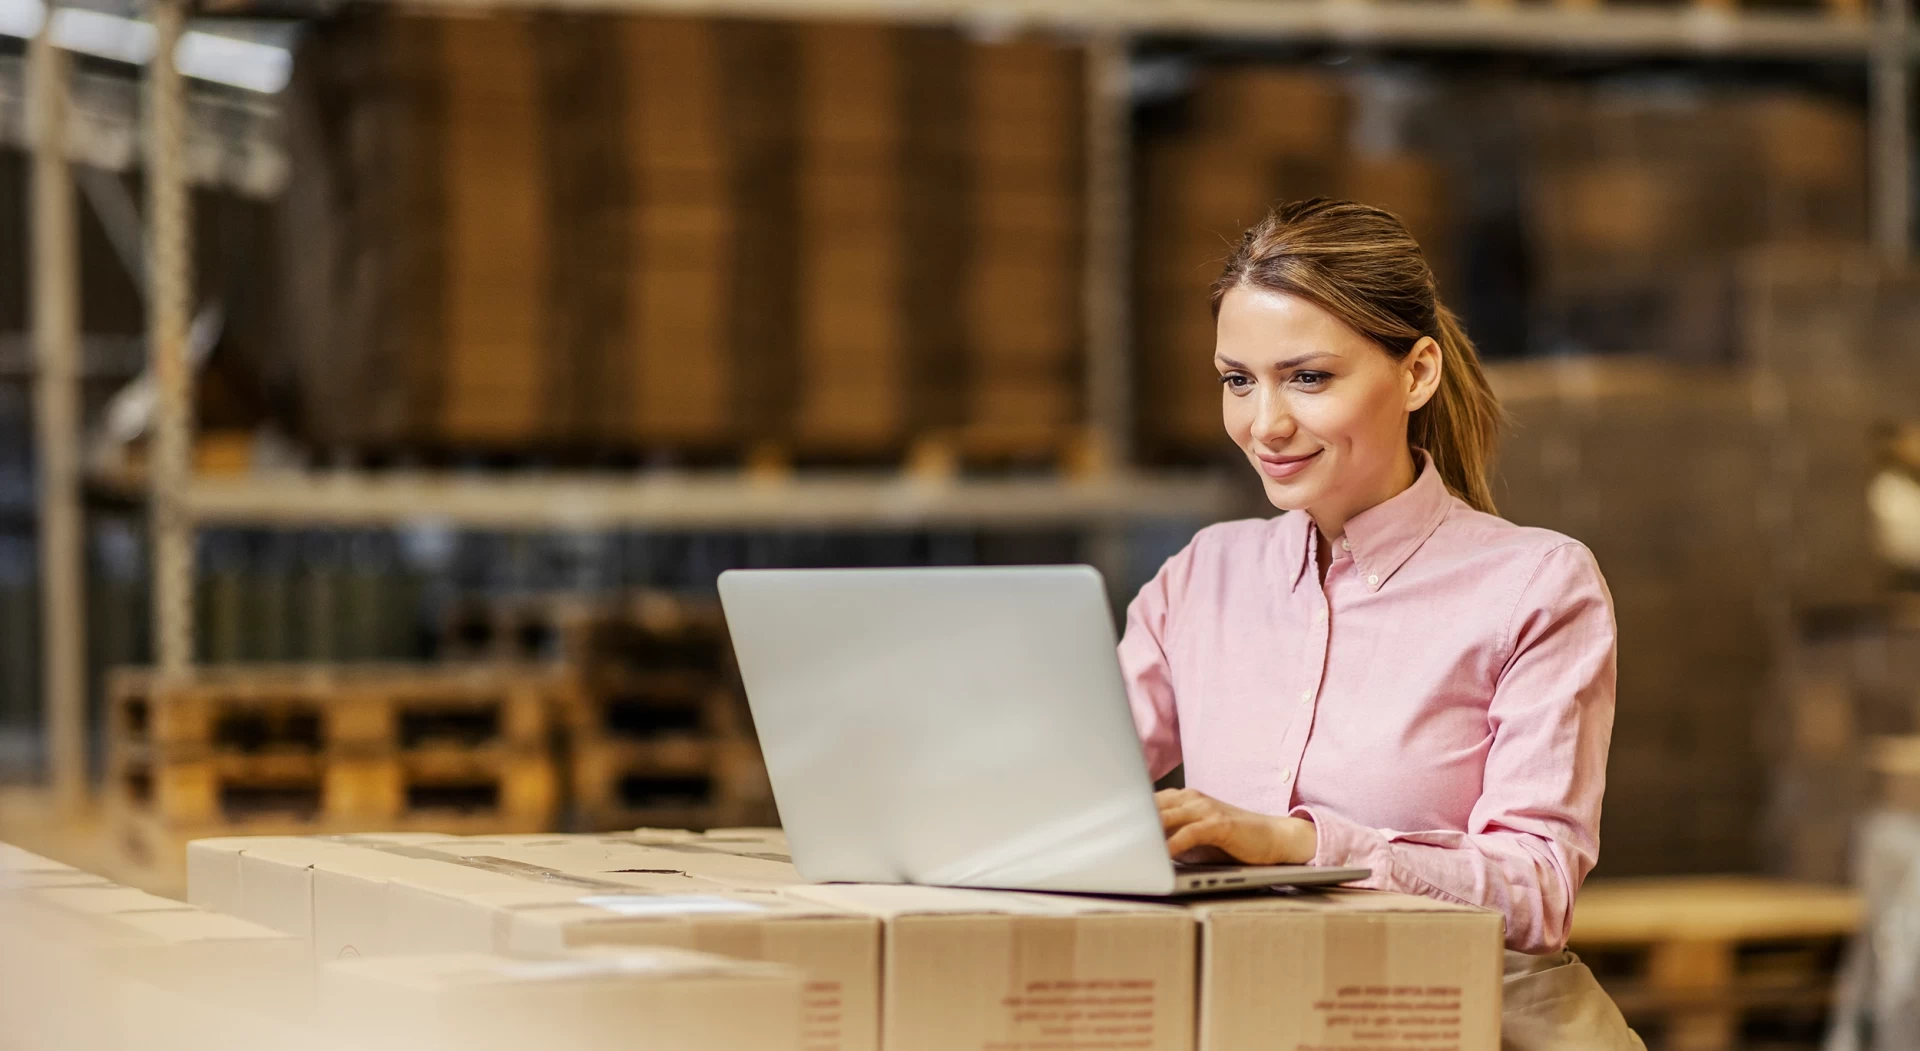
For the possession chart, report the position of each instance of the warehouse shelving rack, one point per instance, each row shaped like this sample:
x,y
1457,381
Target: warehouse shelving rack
x,y
1102,499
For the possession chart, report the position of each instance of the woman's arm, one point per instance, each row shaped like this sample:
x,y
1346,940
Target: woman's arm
x,y
1534,834
1143,664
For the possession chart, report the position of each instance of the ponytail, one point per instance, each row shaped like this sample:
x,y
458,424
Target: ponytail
x,y
1460,424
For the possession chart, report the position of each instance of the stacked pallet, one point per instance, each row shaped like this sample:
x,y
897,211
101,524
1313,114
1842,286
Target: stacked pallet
x,y
1258,136
1720,963
1827,331
1640,204
656,728
1837,732
1656,467
298,750
1607,219
699,238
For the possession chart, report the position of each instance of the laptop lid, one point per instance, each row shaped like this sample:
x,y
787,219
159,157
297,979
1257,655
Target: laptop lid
x,y
957,726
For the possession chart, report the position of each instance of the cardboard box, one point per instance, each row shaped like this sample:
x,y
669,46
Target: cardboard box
x,y
547,911
544,895
654,1000
21,870
1349,969
975,970
109,966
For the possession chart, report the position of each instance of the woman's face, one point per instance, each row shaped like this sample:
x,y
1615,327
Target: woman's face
x,y
1319,409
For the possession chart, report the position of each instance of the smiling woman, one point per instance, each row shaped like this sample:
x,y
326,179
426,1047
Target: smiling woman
x,y
1388,676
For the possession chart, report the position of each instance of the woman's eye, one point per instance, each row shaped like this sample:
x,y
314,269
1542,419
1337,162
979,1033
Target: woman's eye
x,y
1311,379
1236,381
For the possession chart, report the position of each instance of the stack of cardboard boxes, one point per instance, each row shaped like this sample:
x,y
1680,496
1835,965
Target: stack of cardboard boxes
x,y
714,938
88,963
1021,289
710,239
1657,467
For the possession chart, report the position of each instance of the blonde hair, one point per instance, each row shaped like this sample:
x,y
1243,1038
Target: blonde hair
x,y
1360,264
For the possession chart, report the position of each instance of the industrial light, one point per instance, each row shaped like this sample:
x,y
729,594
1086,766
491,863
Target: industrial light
x,y
210,56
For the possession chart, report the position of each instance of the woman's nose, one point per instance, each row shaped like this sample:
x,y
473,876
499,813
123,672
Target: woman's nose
x,y
1272,421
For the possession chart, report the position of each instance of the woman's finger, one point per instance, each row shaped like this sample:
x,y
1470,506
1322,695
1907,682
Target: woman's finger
x,y
1201,833
1179,814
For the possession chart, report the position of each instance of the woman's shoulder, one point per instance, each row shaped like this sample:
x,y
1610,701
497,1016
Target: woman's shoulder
x,y
1527,550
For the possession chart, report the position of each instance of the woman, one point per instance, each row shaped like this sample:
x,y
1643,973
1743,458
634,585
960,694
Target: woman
x,y
1389,676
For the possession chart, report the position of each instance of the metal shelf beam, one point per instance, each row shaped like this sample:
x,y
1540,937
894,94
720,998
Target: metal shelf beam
x,y
56,335
1685,30
169,308
694,501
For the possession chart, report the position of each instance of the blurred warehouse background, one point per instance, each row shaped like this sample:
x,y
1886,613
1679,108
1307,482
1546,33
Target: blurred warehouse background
x,y
508,331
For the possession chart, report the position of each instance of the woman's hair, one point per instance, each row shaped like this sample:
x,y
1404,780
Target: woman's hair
x,y
1360,264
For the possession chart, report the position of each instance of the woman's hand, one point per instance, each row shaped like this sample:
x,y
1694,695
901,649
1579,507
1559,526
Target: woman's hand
x,y
1201,828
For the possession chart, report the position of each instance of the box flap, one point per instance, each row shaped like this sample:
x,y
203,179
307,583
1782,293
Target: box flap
x,y
13,859
195,925
108,899
444,971
889,900
1336,899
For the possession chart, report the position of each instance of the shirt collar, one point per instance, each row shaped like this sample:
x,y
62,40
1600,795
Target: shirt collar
x,y
1385,535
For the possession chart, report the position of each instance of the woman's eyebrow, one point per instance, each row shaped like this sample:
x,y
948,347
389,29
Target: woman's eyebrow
x,y
1278,366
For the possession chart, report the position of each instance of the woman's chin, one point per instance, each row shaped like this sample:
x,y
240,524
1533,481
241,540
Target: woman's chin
x,y
1286,495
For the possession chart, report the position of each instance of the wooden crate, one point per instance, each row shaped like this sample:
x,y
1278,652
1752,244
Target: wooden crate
x,y
330,709
622,704
502,789
1716,963
685,782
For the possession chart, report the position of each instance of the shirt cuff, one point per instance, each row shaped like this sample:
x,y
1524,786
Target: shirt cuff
x,y
1342,843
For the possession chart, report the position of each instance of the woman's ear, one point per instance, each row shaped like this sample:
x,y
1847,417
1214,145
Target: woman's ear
x,y
1422,367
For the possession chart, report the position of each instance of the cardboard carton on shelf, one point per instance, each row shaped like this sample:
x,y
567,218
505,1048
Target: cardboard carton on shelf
x,y
650,1000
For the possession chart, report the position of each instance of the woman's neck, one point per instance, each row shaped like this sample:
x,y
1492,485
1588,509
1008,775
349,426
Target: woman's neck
x,y
1332,521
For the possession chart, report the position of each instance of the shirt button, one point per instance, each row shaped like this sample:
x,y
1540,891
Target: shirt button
x,y
1373,580
1285,776
1319,615
1345,544
1306,696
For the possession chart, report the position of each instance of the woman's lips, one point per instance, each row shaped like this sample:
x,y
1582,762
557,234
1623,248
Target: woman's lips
x,y
1285,466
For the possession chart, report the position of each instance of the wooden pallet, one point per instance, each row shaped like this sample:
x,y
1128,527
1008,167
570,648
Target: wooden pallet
x,y
627,705
324,709
1717,963
684,783
501,786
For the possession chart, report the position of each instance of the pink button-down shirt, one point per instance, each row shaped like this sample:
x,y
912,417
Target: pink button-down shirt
x,y
1440,708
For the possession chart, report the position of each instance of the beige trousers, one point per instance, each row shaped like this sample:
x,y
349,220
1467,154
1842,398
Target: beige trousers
x,y
1553,1003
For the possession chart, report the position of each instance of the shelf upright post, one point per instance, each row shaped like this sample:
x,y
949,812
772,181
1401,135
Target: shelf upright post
x,y
1107,332
169,306
1891,132
1109,148
56,388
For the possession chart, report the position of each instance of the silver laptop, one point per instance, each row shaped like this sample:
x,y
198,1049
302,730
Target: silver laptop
x,y
958,727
